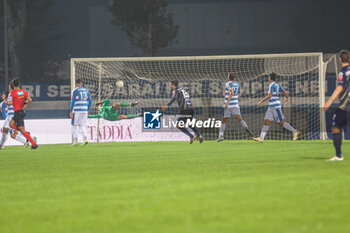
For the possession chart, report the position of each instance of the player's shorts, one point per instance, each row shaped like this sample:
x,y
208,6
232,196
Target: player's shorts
x,y
19,117
274,114
230,111
185,115
7,122
80,118
341,119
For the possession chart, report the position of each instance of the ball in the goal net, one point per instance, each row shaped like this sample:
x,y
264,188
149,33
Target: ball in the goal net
x,y
120,84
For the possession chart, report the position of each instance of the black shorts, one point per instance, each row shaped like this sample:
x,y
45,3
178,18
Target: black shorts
x,y
341,119
19,117
185,115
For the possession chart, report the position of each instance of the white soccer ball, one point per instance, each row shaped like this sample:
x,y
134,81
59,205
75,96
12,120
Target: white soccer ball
x,y
120,84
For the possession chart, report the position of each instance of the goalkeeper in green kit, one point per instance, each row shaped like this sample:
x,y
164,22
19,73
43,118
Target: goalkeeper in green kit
x,y
109,111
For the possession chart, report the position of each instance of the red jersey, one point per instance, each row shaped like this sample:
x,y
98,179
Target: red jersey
x,y
18,98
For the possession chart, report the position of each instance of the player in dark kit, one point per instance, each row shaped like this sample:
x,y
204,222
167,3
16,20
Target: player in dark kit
x,y
342,114
19,99
186,110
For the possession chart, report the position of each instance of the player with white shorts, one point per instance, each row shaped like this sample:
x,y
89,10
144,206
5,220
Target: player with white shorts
x,y
274,111
274,114
80,105
231,107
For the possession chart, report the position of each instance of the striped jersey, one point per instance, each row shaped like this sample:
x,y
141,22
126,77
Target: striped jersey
x,y
10,111
183,99
7,111
81,100
234,86
275,89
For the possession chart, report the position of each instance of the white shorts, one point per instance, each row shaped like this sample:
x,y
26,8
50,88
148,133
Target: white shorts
x,y
274,114
230,111
7,122
80,118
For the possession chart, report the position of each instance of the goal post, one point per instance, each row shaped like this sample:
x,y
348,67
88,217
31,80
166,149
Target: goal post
x,y
322,93
147,80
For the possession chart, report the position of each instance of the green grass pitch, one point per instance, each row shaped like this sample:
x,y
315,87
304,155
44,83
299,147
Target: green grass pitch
x,y
163,187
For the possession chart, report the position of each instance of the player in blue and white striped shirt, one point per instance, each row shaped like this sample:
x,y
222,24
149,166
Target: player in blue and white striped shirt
x,y
274,111
79,107
231,107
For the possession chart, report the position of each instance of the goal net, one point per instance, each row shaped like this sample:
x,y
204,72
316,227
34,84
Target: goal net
x,y
147,80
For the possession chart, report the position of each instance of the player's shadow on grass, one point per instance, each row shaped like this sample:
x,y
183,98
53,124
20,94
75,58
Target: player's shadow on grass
x,y
313,158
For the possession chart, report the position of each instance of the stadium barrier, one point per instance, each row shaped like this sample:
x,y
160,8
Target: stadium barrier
x,y
58,131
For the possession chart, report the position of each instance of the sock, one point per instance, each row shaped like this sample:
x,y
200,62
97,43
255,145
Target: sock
x,y
27,136
131,116
124,104
337,137
244,124
186,132
264,130
222,130
3,139
75,133
20,139
83,130
195,130
289,127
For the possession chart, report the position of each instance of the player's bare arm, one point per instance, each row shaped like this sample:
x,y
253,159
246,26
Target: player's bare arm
x,y
5,100
265,99
9,102
165,107
335,95
287,97
28,100
229,99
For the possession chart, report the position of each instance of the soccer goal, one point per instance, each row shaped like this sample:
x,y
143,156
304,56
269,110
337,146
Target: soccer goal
x,y
147,80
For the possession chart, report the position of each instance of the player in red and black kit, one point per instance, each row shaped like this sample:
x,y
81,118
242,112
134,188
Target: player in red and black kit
x,y
19,99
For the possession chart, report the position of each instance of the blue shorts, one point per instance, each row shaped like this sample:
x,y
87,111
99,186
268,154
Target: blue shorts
x,y
341,119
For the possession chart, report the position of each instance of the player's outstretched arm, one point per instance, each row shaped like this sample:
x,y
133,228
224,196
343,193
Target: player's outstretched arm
x,y
165,107
106,102
95,116
4,98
